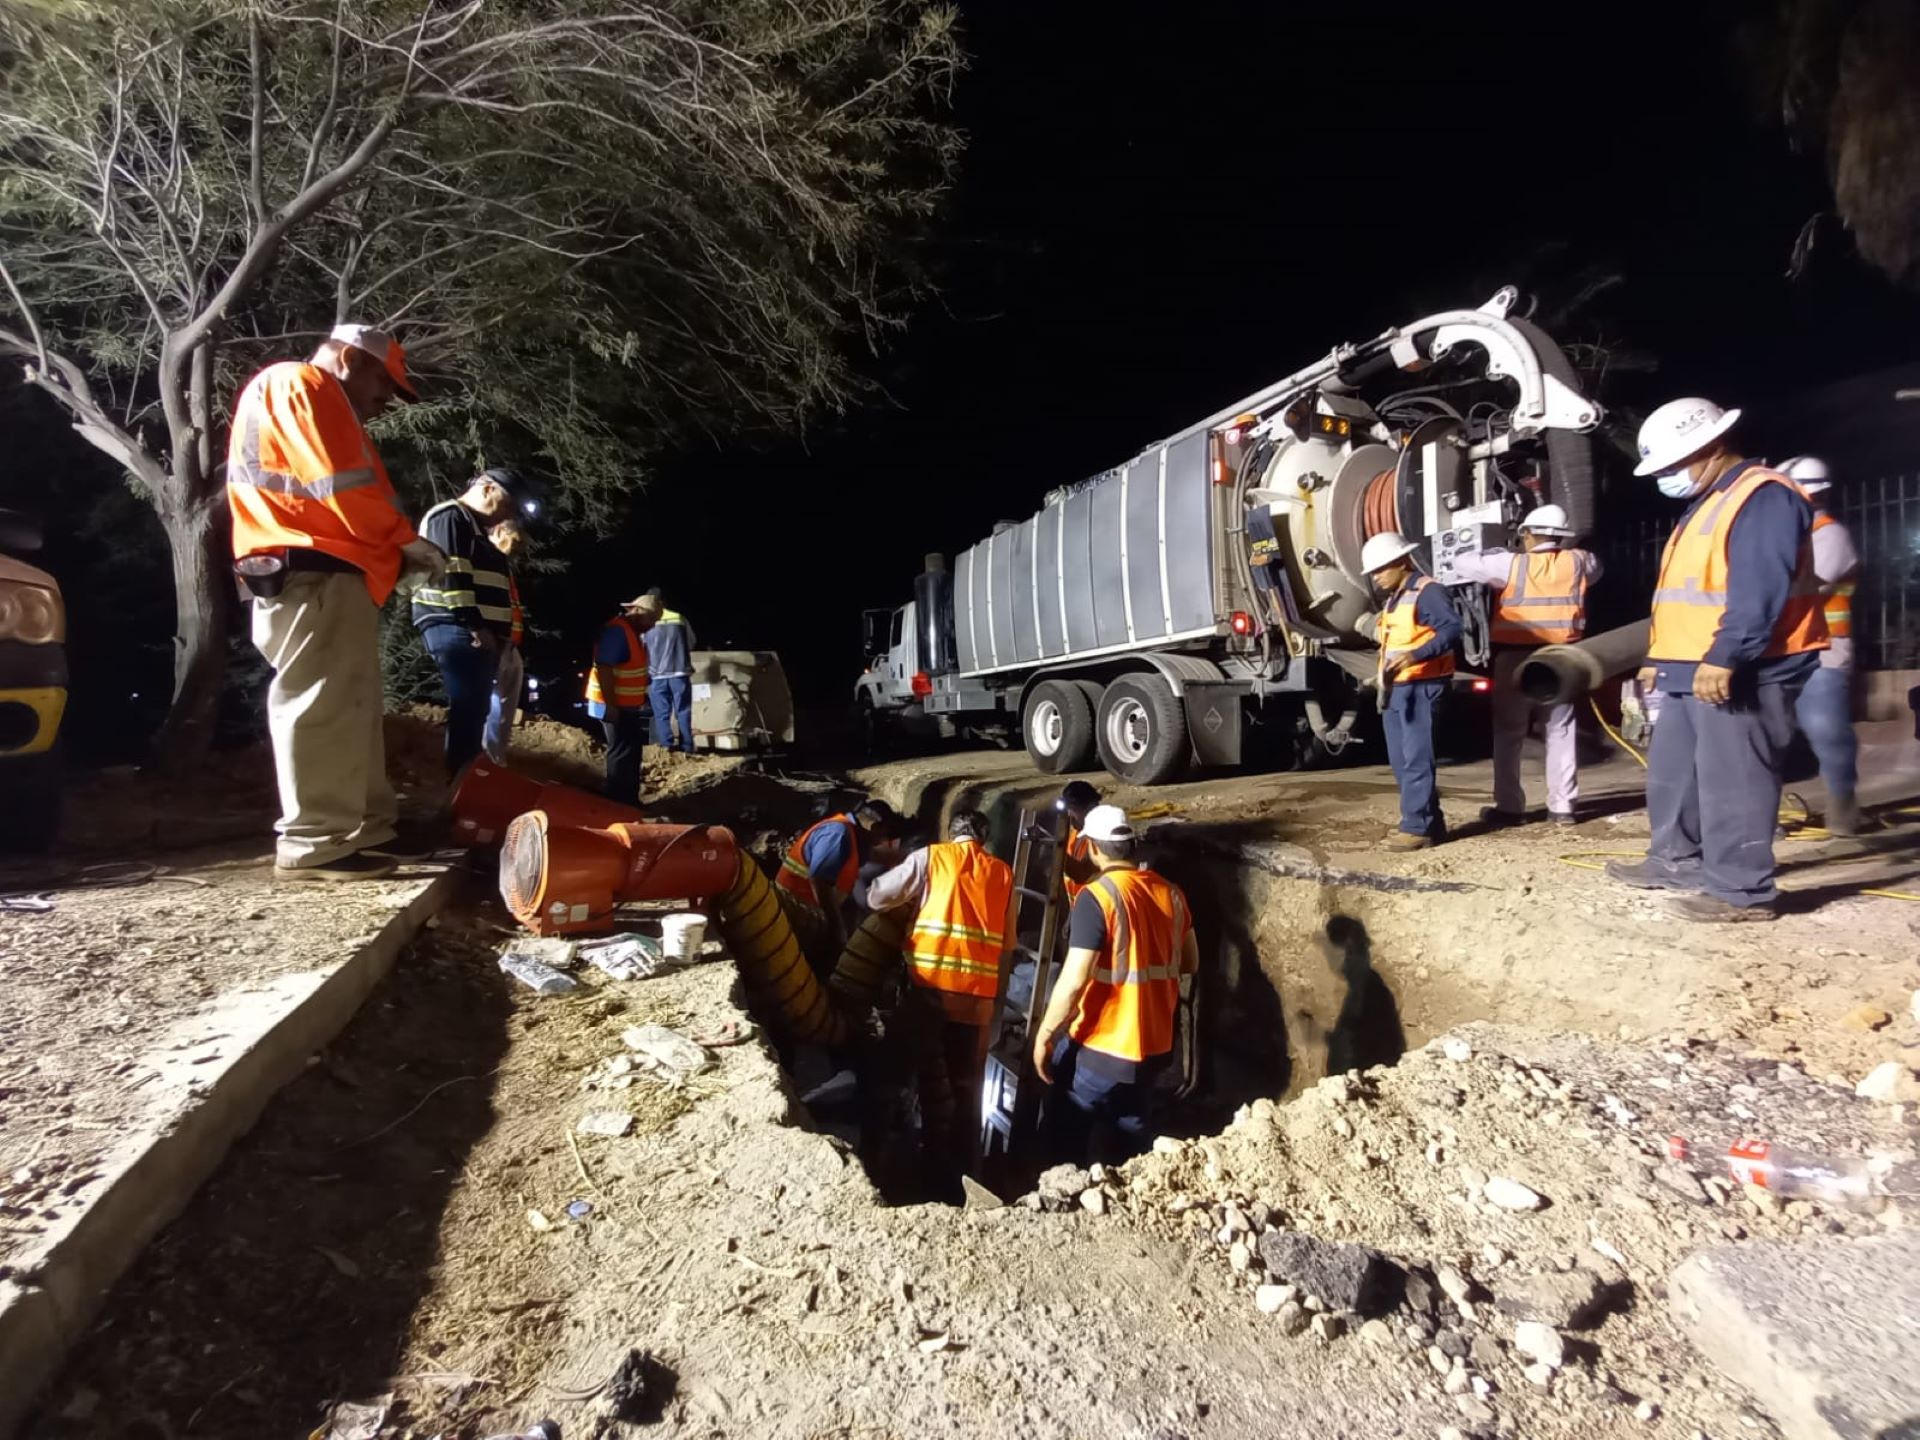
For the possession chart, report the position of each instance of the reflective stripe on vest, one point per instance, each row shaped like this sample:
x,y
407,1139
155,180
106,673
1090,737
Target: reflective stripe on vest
x,y
797,880
302,475
959,938
1128,1008
626,682
1400,629
1838,606
1544,601
1690,597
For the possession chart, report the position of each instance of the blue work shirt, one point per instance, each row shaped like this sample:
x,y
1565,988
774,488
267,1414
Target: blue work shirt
x,y
1763,554
669,646
825,853
611,649
1433,607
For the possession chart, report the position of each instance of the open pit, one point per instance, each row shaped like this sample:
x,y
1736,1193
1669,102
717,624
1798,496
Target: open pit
x,y
416,1240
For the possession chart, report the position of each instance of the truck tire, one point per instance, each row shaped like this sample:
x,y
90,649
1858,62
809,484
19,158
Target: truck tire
x,y
1142,730
31,787
1057,726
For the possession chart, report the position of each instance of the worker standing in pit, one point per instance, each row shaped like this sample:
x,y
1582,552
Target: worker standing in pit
x,y
1077,798
1109,1023
1417,632
617,686
816,879
465,619
963,896
1540,598
319,541
1825,707
670,646
1737,627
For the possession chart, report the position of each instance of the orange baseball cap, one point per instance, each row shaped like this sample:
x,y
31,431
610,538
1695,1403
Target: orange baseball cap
x,y
384,348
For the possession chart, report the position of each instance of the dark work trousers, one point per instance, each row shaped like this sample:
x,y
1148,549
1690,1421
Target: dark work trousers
x,y
1096,1106
950,1077
1713,788
1409,722
467,670
672,697
626,732
1825,712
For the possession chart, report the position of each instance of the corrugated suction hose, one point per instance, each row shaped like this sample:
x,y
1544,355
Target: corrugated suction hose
x,y
872,952
770,960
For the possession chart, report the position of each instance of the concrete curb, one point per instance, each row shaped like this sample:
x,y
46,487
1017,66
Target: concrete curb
x,y
61,1283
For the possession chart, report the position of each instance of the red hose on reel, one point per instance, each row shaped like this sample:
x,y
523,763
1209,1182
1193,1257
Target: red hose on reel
x,y
1380,507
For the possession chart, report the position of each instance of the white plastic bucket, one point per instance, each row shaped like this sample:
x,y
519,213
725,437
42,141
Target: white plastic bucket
x,y
680,935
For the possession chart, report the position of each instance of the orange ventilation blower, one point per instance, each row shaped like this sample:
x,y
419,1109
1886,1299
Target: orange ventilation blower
x,y
490,796
563,879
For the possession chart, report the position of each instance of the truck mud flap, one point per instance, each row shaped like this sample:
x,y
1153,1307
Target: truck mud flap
x,y
1213,720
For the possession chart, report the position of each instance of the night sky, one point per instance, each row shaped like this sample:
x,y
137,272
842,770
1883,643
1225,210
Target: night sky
x,y
1165,206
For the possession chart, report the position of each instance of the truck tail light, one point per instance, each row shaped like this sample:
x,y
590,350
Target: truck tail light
x,y
922,685
1481,685
1242,623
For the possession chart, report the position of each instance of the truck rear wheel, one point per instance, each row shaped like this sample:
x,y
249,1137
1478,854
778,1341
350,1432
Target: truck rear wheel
x,y
1142,730
1058,727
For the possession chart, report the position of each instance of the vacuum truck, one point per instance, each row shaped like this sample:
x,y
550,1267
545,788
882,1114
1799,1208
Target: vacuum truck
x,y
1151,615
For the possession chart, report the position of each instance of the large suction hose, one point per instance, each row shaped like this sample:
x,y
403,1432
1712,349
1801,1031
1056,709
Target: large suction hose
x,y
1557,674
871,954
770,960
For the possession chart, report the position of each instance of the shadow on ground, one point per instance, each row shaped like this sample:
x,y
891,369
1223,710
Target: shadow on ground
x,y
291,1280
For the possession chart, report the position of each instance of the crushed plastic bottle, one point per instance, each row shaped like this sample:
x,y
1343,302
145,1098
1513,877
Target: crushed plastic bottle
x,y
542,1430
1857,1181
543,978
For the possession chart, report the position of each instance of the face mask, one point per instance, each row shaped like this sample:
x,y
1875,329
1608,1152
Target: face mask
x,y
1675,484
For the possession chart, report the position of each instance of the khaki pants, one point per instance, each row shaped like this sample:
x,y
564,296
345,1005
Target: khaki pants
x,y
321,635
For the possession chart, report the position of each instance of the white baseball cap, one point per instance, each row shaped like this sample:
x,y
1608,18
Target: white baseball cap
x,y
384,348
1107,822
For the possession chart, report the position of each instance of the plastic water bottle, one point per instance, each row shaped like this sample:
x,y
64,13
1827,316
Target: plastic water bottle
x,y
543,978
543,1430
1796,1174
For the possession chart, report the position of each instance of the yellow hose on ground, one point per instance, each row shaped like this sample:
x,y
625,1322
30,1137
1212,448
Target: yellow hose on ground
x,y
770,960
871,954
1799,826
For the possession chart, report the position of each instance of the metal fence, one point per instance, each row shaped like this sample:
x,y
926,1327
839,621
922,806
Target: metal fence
x,y
1882,515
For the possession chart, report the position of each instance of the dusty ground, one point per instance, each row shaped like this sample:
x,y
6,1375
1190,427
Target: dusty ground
x,y
371,1242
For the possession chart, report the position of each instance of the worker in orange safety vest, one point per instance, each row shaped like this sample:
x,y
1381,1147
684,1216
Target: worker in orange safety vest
x,y
1418,628
1540,598
1077,865
817,878
1110,1020
617,684
1825,707
962,896
1737,632
319,541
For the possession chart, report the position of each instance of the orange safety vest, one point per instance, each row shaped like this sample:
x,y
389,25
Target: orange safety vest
x,y
1544,601
1400,629
797,880
1127,1010
302,475
958,940
626,682
1690,597
1838,607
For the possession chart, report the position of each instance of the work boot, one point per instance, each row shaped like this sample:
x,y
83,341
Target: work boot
x,y
1710,910
1843,815
1401,840
412,840
1652,874
363,865
1496,818
1562,817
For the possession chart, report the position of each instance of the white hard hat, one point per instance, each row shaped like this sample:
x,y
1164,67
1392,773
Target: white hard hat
x,y
1809,472
1384,549
1547,520
1107,822
1679,429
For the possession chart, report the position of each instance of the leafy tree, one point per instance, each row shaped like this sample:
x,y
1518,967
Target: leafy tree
x,y
1842,76
594,225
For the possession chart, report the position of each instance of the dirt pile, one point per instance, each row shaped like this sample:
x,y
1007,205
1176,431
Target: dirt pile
x,y
1496,1217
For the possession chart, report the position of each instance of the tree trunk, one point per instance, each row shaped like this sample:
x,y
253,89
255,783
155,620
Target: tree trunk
x,y
203,607
192,513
